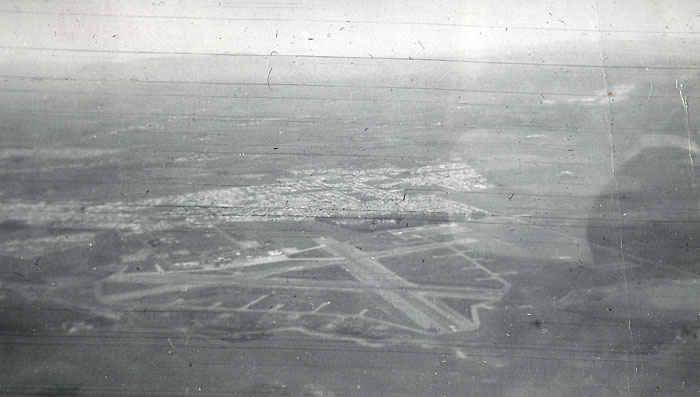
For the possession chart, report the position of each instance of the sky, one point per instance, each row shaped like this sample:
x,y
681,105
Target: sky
x,y
364,28
453,42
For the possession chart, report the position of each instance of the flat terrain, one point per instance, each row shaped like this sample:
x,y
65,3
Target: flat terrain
x,y
459,228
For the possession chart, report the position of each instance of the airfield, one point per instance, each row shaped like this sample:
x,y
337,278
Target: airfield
x,y
329,280
393,286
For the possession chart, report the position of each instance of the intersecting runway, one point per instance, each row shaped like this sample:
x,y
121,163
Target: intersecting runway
x,y
420,303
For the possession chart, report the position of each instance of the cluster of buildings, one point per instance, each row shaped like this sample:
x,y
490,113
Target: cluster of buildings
x,y
336,193
313,193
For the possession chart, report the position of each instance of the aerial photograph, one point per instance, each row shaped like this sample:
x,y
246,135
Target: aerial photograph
x,y
318,198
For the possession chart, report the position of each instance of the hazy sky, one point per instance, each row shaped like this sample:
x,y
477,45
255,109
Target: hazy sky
x,y
365,28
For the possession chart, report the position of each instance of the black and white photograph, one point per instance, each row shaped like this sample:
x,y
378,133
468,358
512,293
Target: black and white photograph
x,y
326,198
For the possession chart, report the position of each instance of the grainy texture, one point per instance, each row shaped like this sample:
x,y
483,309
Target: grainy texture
x,y
312,198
